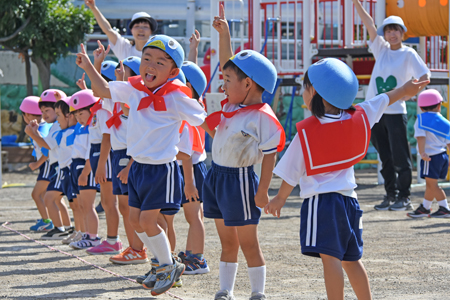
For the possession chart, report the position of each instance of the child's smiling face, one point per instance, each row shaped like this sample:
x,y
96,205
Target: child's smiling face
x,y
62,119
156,67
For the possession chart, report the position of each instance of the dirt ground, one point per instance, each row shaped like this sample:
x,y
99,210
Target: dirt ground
x,y
405,258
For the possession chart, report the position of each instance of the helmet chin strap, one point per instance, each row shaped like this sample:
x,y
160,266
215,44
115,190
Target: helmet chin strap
x,y
246,96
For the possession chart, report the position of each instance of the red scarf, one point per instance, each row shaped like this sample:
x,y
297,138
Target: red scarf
x,y
94,109
198,136
157,100
214,119
115,119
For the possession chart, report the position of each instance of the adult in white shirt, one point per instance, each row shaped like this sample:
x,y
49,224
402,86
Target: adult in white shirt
x,y
142,25
395,64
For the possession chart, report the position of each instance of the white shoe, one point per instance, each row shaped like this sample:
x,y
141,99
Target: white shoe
x,y
74,237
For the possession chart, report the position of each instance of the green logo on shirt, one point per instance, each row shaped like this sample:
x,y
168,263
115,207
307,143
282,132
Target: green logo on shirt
x,y
385,86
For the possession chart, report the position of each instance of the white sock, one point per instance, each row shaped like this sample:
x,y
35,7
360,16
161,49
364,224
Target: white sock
x,y
61,228
143,237
427,203
67,227
443,203
113,240
227,275
161,247
257,278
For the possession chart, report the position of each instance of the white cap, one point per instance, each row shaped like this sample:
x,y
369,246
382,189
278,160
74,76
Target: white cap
x,y
144,16
391,20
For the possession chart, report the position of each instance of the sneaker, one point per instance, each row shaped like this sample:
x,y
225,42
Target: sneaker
x,y
149,280
166,276
224,295
182,256
74,237
106,248
42,226
195,266
70,230
442,212
178,283
85,243
420,212
257,296
99,208
55,234
387,201
402,204
130,257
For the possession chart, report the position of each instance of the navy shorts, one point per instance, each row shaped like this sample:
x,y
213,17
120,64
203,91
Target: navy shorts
x,y
94,155
154,186
66,183
331,224
200,172
55,180
119,160
229,194
436,168
46,171
76,168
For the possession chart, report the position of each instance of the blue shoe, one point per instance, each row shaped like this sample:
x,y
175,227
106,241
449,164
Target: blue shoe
x,y
195,266
99,208
42,226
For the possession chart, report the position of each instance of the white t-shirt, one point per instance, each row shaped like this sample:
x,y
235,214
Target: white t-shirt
x,y
51,142
98,126
153,135
64,151
185,146
118,135
242,140
81,146
433,144
291,167
123,48
393,68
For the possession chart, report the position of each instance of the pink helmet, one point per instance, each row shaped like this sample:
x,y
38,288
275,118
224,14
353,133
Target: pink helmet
x,y
66,99
429,97
82,99
52,95
30,105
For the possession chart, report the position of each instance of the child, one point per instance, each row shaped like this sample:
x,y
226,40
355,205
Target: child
x,y
157,108
249,133
395,64
30,111
331,219
83,181
432,132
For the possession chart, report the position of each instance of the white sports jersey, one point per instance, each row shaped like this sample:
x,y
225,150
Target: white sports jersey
x,y
51,142
153,135
393,68
123,48
81,146
291,167
64,151
242,140
98,126
118,135
433,144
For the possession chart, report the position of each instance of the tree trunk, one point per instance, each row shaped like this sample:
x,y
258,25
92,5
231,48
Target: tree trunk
x,y
29,89
44,71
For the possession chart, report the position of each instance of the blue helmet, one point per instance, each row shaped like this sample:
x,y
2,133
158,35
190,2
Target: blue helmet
x,y
132,62
257,67
180,77
168,45
195,76
108,68
334,81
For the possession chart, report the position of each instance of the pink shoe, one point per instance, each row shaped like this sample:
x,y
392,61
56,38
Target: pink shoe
x,y
106,248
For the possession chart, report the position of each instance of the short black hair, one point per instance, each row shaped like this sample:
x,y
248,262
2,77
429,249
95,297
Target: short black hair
x,y
393,27
317,106
431,107
63,106
240,74
88,108
46,104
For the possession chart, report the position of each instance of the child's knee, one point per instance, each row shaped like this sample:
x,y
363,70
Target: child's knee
x,y
124,209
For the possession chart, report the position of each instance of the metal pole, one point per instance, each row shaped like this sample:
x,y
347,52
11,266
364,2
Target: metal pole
x,y
190,21
306,34
214,47
256,25
380,12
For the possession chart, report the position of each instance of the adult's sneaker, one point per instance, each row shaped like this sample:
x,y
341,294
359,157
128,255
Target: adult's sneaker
x,y
166,276
106,248
42,226
224,295
257,296
442,212
130,257
420,212
195,266
86,242
386,203
402,204
55,234
74,237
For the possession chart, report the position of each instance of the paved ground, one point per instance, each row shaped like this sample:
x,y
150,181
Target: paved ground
x,y
405,258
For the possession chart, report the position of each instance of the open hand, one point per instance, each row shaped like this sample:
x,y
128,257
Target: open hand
x,y
274,206
191,192
412,87
100,175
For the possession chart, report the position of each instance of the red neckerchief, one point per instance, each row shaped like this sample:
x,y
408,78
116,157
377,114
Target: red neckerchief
x,y
157,100
198,136
94,109
214,119
334,146
115,119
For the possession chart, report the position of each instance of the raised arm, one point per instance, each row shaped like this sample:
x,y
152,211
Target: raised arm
x,y
194,40
366,19
409,89
100,55
102,22
221,25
